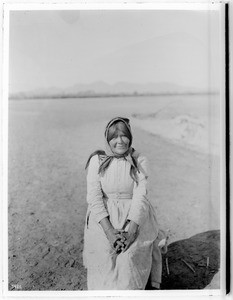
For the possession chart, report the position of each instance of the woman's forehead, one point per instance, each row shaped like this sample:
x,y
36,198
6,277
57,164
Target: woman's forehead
x,y
119,132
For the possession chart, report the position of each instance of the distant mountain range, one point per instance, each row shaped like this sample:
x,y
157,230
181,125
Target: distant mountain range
x,y
102,89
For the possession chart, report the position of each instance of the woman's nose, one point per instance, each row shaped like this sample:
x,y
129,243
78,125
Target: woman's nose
x,y
119,139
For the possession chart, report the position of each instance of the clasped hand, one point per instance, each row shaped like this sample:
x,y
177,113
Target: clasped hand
x,y
121,240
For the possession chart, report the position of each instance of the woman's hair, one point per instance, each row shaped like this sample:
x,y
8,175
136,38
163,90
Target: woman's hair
x,y
116,127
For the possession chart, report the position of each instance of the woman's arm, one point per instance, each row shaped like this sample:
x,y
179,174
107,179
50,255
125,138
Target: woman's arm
x,y
114,236
139,206
96,204
94,191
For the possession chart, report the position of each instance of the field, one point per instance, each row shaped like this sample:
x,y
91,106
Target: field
x,y
49,143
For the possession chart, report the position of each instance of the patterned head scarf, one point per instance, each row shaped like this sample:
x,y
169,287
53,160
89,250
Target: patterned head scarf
x,y
107,156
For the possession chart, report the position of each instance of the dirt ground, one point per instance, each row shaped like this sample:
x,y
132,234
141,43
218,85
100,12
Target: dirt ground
x,y
47,202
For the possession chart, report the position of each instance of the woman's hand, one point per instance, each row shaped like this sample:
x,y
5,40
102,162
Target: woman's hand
x,y
130,236
114,236
116,239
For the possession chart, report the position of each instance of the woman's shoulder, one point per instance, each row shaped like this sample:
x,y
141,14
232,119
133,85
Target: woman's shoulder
x,y
94,158
143,164
141,158
93,166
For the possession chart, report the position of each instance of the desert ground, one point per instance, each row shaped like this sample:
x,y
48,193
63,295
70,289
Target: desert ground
x,y
49,143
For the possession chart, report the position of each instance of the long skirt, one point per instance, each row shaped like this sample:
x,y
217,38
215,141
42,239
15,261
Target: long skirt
x,y
130,270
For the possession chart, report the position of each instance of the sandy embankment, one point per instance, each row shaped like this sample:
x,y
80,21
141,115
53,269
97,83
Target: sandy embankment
x,y
184,125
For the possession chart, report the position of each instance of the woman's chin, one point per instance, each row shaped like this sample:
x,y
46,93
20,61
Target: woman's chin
x,y
120,151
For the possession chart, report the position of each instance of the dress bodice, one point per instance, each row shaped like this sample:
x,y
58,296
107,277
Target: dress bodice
x,y
115,190
116,181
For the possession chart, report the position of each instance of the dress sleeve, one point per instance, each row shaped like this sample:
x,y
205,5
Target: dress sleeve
x,y
139,206
94,191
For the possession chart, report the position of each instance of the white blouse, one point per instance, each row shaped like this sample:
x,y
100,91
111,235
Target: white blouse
x,y
114,187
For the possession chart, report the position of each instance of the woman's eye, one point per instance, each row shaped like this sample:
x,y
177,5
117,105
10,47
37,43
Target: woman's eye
x,y
124,137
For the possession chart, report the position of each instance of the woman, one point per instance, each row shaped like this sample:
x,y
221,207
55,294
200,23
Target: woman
x,y
121,231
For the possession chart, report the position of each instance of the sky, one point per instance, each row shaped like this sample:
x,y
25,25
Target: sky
x,y
61,48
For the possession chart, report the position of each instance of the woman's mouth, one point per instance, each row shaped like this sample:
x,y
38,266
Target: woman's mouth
x,y
120,146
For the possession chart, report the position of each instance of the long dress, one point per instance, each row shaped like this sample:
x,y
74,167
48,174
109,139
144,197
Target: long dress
x,y
116,194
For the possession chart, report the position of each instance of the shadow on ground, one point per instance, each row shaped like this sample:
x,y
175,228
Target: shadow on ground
x,y
191,263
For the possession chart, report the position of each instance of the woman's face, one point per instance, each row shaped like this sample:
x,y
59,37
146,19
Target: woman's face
x,y
119,143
